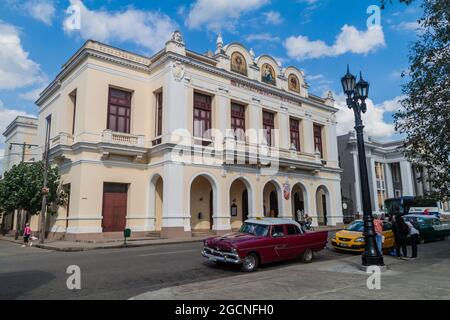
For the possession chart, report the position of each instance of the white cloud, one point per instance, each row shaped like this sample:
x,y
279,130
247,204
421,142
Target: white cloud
x,y
16,69
392,105
408,26
319,84
374,124
219,15
349,39
262,37
32,95
42,10
273,17
146,28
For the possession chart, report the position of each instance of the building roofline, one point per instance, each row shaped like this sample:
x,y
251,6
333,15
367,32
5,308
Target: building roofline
x,y
90,48
15,123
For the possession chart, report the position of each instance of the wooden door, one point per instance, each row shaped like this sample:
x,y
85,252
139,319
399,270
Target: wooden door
x,y
114,207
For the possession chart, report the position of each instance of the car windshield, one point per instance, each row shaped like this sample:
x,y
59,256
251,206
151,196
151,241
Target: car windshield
x,y
255,229
356,226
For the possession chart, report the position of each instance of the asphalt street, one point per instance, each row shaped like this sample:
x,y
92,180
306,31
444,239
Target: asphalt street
x,y
31,273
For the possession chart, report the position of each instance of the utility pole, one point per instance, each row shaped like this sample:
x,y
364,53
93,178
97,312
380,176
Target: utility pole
x,y
24,146
44,190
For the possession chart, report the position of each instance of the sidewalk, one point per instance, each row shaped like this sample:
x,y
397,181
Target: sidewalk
x,y
74,246
331,275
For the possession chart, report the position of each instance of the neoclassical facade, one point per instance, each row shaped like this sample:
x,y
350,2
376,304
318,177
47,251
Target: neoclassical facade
x,y
183,143
390,174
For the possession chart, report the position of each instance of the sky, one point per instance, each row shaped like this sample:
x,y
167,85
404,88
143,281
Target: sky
x,y
319,37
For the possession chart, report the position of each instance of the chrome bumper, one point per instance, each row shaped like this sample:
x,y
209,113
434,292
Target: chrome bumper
x,y
219,256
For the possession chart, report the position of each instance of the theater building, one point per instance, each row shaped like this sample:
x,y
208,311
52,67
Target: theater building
x,y
183,143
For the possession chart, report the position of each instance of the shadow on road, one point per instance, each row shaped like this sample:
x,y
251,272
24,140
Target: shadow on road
x,y
16,285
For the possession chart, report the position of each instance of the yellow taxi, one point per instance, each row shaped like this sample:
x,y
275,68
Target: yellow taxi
x,y
352,238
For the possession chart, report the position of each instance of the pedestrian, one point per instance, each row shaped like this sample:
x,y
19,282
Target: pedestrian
x,y
27,235
378,225
414,236
401,231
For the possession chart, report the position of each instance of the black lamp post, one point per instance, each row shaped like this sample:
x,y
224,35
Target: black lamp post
x,y
356,96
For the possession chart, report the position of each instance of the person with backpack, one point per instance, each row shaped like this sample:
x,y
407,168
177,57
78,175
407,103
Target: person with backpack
x,y
401,231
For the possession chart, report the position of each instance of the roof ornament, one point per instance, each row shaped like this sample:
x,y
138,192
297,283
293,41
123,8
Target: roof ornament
x,y
330,95
219,44
252,54
177,37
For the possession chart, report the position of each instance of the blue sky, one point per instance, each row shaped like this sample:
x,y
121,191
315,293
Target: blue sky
x,y
319,37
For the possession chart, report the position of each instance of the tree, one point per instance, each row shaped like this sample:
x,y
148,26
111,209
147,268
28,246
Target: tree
x,y
22,185
425,113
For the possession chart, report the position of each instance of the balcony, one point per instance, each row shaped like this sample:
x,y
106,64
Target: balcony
x,y
62,139
61,147
124,139
124,144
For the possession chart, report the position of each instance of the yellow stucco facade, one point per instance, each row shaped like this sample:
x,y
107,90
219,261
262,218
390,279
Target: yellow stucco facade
x,y
174,184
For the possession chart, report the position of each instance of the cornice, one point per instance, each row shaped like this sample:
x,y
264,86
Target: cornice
x,y
162,57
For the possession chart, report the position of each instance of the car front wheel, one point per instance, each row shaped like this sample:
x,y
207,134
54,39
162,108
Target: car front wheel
x,y
250,263
307,256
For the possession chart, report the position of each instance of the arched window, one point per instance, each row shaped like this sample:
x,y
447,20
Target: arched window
x,y
238,63
268,74
294,83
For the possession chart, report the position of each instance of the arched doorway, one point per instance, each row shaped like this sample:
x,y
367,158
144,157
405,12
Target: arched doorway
x,y
272,199
323,205
299,199
240,205
202,203
156,200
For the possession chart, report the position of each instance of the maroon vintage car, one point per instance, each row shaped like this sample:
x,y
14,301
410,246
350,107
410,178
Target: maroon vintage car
x,y
264,240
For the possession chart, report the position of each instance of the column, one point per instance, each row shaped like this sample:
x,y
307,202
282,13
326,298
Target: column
x,y
175,104
221,215
407,178
336,203
332,147
254,127
222,113
388,179
374,186
358,196
175,216
308,136
284,129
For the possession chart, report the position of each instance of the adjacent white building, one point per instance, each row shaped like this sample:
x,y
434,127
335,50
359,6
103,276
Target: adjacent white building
x,y
390,174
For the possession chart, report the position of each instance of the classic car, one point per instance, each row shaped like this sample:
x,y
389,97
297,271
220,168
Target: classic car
x,y
430,227
264,240
352,238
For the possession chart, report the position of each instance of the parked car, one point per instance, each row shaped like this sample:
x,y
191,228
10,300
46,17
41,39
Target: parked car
x,y
264,240
430,227
352,238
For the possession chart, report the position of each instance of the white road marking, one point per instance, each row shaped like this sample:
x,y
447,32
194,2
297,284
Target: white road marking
x,y
169,252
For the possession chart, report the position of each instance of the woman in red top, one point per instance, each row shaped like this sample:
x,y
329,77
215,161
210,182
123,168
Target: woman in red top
x,y
378,224
27,235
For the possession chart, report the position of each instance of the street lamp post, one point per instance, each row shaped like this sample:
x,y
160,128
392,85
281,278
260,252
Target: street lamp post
x,y
356,96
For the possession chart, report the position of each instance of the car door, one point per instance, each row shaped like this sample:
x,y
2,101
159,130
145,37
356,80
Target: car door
x,y
439,228
295,242
279,242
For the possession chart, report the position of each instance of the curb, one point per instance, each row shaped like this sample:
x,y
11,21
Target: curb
x,y
121,246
